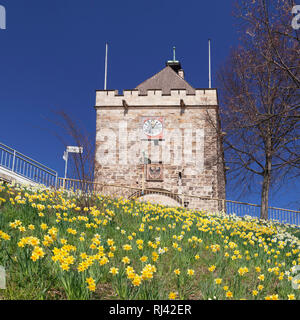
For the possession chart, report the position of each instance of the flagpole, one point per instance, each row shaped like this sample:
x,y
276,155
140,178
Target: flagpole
x,y
66,155
105,75
209,64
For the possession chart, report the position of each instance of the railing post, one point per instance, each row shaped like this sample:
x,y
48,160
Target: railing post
x,y
143,180
56,180
224,205
14,159
64,183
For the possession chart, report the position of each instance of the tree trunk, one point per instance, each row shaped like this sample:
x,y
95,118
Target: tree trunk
x,y
267,180
265,196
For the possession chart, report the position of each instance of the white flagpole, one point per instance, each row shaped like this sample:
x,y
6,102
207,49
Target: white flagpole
x,y
209,65
105,76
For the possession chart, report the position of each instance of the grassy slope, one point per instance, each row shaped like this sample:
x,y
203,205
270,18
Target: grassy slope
x,y
172,238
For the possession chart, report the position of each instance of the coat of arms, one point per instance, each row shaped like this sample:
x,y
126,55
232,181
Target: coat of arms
x,y
154,172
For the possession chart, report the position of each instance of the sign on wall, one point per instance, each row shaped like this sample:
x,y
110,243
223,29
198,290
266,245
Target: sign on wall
x,y
154,172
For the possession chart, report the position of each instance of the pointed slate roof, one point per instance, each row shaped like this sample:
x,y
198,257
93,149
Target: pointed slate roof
x,y
165,80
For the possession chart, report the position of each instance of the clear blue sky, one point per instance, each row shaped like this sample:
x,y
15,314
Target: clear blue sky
x,y
52,57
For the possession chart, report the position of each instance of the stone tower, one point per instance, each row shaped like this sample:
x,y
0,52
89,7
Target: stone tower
x,y
162,139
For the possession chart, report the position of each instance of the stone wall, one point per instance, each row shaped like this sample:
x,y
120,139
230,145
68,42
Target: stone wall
x,y
189,147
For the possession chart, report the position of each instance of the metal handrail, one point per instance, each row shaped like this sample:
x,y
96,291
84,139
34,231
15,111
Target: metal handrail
x,y
37,164
24,166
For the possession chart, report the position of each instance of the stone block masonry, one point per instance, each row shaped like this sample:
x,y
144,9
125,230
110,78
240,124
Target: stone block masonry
x,y
188,150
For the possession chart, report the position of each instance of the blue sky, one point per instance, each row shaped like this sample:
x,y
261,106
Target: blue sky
x,y
52,57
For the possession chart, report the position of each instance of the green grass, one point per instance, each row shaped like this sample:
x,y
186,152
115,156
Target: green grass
x,y
191,240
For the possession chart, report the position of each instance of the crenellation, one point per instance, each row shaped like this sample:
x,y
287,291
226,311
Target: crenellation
x,y
158,92
113,93
135,93
111,98
130,93
154,92
178,93
199,92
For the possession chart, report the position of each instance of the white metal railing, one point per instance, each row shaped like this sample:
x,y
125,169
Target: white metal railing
x,y
30,169
276,214
26,167
229,206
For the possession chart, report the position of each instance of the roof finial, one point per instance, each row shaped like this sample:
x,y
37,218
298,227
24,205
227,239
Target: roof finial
x,y
174,64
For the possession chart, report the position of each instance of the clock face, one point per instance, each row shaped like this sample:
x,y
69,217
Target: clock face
x,y
152,127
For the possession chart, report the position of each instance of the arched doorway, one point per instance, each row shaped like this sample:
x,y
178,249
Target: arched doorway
x,y
158,196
